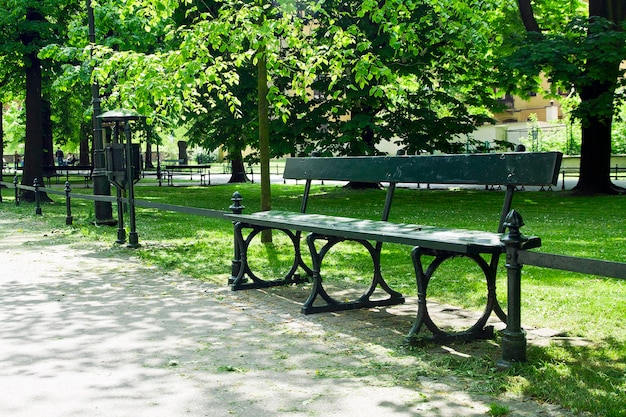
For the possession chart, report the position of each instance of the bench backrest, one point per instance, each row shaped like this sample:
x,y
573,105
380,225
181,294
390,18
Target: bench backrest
x,y
510,169
519,168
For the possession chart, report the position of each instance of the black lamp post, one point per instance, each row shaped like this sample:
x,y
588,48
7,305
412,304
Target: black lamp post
x,y
123,167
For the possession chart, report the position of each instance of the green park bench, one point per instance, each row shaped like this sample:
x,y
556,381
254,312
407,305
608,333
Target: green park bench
x,y
86,171
511,170
203,170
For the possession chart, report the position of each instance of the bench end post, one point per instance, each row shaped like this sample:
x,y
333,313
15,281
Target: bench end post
x,y
237,208
513,338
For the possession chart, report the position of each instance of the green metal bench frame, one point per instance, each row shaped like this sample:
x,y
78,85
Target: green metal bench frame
x,y
513,170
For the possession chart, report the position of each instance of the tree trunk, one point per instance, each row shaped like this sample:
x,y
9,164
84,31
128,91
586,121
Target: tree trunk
x,y
148,159
84,151
595,153
528,16
33,148
237,169
595,160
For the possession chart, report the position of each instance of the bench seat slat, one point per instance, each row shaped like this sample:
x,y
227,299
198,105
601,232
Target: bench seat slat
x,y
454,240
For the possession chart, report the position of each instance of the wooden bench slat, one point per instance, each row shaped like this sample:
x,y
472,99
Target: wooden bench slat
x,y
516,168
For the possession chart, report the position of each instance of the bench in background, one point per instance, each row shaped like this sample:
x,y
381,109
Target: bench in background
x,y
57,172
203,170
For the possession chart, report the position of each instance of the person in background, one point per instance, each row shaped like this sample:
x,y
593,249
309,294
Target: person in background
x,y
59,156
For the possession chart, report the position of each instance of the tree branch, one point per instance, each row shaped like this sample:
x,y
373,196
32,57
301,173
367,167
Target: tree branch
x,y
528,16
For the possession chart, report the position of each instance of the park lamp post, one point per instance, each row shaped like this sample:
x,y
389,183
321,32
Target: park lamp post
x,y
123,167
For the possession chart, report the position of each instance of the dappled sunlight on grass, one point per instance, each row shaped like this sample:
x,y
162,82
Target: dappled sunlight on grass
x,y
585,377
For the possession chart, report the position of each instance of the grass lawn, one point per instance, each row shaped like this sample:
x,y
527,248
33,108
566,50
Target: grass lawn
x,y
587,377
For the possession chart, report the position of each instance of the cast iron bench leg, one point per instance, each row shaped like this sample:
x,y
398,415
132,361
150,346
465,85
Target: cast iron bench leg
x,y
477,331
364,301
240,280
378,280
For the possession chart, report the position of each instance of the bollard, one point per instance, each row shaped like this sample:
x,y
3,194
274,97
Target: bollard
x,y
121,232
68,205
17,194
236,208
37,197
513,337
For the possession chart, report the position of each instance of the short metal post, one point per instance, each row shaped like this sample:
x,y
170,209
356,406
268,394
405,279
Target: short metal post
x,y
17,194
37,197
513,337
121,232
133,237
236,208
68,204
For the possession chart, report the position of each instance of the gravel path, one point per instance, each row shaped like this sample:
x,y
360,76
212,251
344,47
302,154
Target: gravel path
x,y
88,330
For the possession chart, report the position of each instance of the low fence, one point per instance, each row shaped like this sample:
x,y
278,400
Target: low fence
x,y
588,266
69,195
617,173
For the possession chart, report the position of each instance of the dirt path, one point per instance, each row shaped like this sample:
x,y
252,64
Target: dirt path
x,y
87,330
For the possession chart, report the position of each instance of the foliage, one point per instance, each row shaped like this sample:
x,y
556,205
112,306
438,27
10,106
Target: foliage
x,y
569,67
416,73
203,157
558,136
399,71
13,121
619,132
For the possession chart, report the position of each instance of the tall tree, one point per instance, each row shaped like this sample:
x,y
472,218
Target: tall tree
x,y
33,148
27,27
585,54
413,72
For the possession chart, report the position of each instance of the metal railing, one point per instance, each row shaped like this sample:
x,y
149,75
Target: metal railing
x,y
617,172
37,188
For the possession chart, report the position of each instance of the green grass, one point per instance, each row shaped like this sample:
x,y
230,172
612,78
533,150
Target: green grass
x,y
587,377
